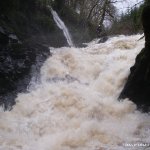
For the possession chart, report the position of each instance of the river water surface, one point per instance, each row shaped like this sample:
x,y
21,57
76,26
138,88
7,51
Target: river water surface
x,y
74,105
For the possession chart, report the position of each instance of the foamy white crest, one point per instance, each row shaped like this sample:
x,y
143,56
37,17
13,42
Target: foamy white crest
x,y
75,106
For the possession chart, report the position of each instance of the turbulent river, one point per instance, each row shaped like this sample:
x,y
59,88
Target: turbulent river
x,y
74,104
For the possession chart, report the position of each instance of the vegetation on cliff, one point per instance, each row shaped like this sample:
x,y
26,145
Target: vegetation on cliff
x,y
128,23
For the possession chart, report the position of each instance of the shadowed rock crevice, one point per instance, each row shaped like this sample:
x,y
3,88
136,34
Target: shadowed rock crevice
x,y
137,87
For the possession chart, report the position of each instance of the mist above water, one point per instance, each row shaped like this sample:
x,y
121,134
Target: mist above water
x,y
74,105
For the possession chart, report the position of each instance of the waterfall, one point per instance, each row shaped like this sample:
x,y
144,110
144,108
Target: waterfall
x,y
62,26
75,106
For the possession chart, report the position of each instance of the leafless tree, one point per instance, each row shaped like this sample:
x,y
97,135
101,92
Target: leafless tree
x,y
94,11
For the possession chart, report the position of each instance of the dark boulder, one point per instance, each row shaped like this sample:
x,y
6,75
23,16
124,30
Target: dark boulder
x,y
103,39
16,61
4,39
101,34
137,87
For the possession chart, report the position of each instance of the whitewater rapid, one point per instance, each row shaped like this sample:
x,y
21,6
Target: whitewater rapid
x,y
74,105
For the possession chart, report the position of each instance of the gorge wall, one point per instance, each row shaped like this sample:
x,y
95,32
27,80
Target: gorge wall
x,y
27,29
137,87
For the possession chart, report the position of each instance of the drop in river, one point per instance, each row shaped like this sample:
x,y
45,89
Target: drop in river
x,y
62,26
75,106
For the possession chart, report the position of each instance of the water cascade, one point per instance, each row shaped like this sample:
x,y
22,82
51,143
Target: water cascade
x,y
75,106
62,26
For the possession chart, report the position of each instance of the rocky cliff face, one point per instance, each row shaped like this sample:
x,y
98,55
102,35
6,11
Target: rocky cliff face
x,y
137,87
16,61
27,29
24,41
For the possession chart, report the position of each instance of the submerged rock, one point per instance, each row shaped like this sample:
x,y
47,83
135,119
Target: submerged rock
x,y
137,87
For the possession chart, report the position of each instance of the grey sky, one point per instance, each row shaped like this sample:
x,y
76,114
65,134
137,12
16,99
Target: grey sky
x,y
125,4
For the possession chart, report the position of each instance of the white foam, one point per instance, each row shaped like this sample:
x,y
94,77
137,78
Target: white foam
x,y
75,106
